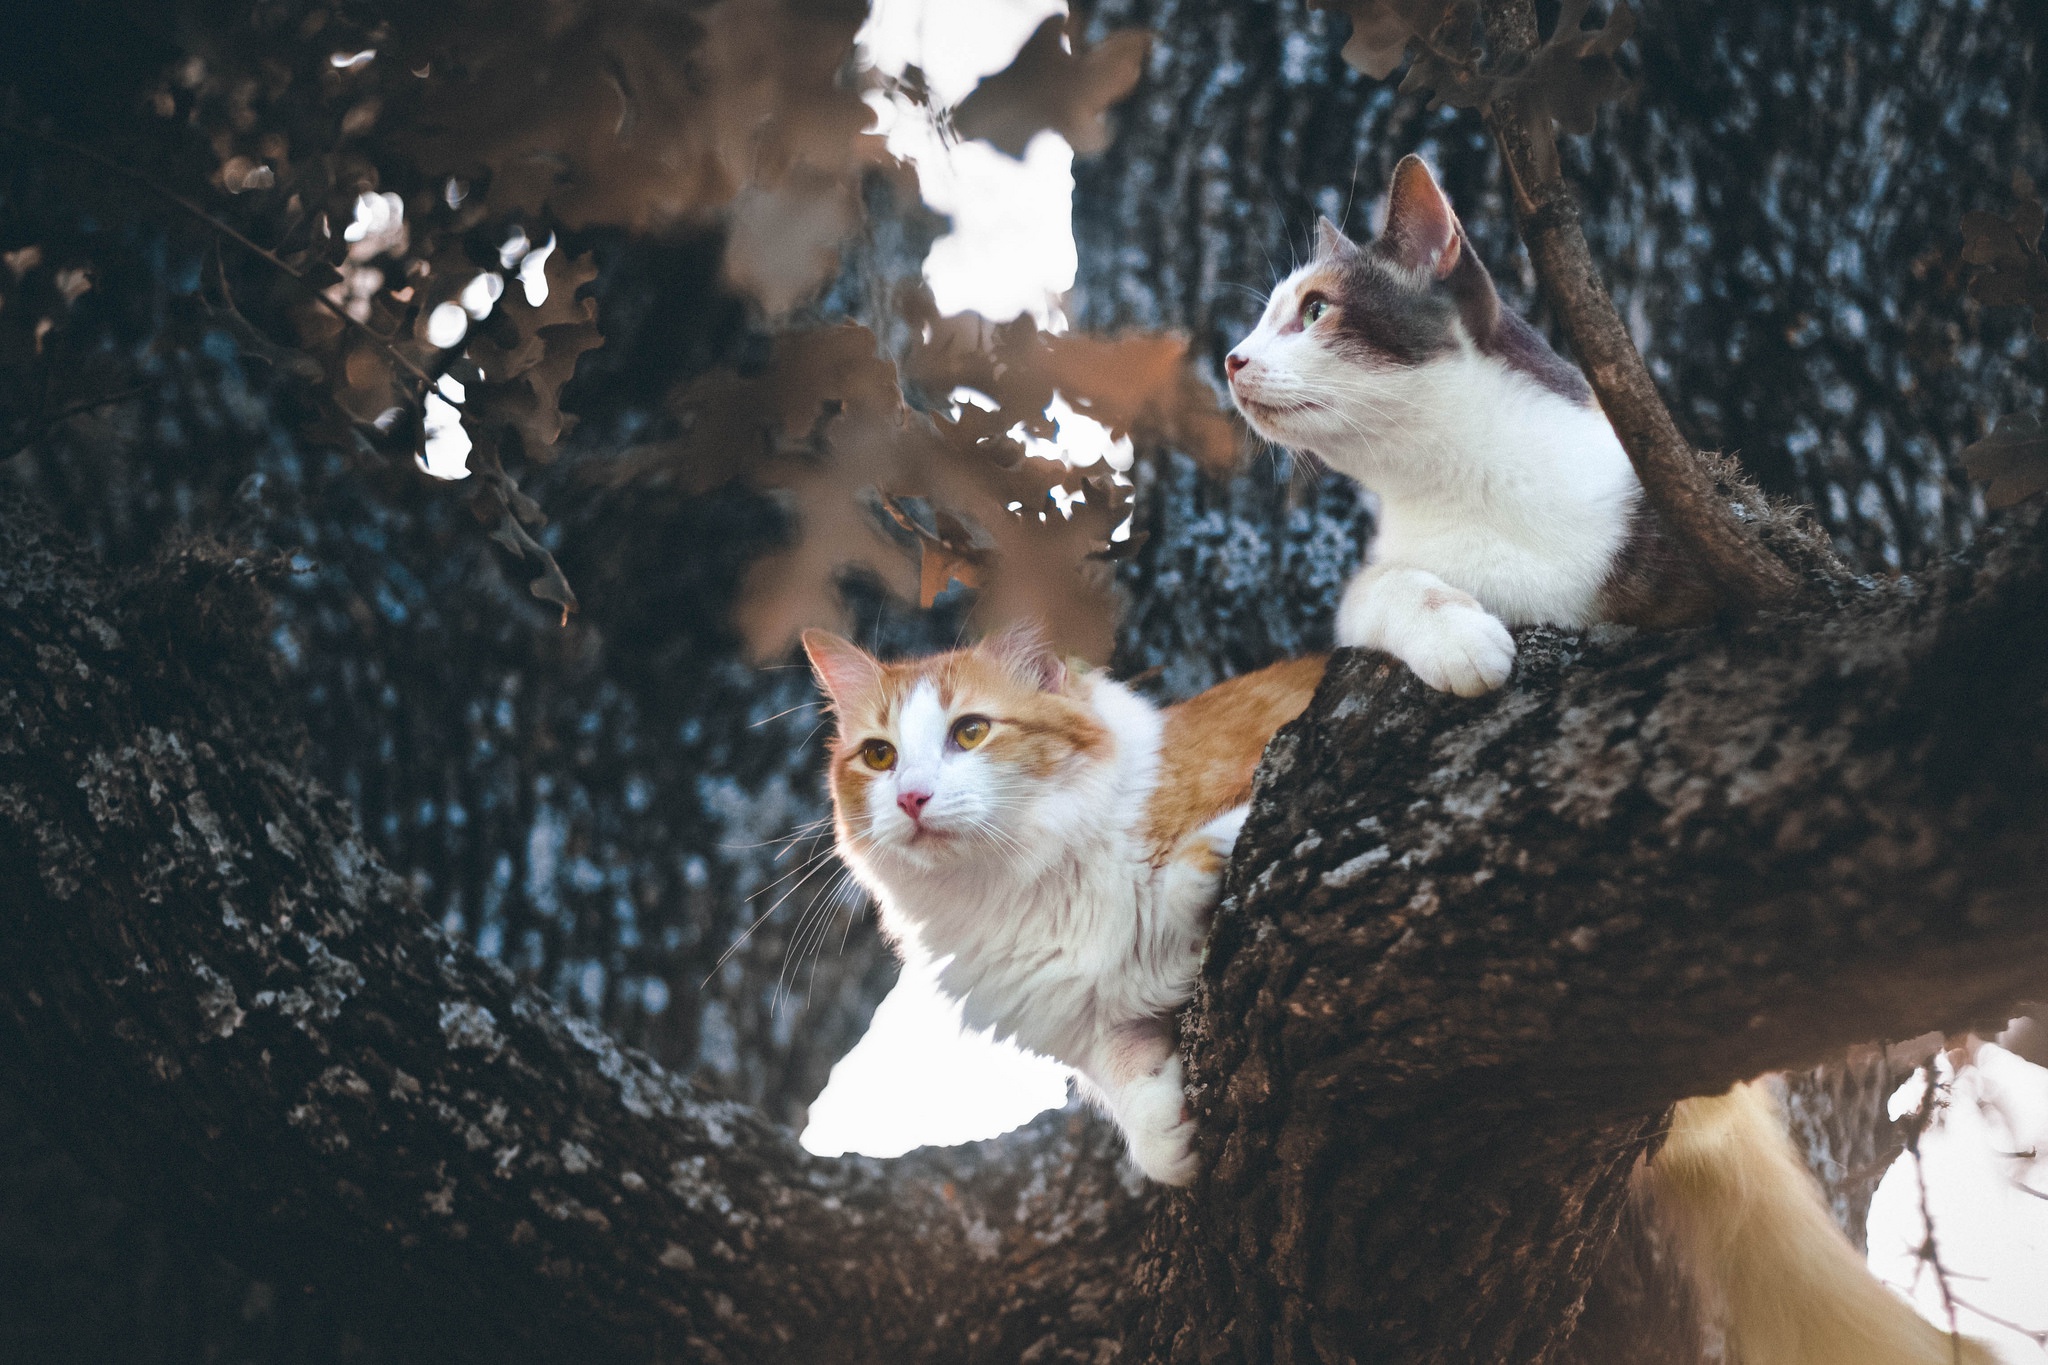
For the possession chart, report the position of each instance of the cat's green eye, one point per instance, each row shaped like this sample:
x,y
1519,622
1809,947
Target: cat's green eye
x,y
1313,310
969,731
878,754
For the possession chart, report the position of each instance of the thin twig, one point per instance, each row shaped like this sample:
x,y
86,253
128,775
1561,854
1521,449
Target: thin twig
x,y
226,230
2036,1335
1929,1251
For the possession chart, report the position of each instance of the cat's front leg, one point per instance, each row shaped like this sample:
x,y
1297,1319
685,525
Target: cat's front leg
x,y
1452,643
1136,1072
1190,881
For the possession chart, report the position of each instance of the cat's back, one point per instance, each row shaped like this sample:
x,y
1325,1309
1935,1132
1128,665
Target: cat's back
x,y
1210,746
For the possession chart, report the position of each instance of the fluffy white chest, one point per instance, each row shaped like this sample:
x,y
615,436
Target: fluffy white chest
x,y
1496,485
1056,961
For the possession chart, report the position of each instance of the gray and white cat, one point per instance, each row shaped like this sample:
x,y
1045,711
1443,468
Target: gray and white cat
x,y
1505,497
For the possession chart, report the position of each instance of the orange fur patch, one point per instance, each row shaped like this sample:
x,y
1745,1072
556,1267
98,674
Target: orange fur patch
x,y
1212,745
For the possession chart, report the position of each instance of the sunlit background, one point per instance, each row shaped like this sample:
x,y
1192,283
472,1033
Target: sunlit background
x,y
918,1079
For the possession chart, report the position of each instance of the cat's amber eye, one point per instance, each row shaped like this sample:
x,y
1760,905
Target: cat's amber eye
x,y
1313,309
878,754
969,731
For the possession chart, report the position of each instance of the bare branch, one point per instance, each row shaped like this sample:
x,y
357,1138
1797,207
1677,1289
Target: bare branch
x,y
1677,483
1929,1251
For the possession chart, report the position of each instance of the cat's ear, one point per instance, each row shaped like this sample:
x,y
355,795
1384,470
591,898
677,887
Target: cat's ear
x,y
1331,243
1422,231
844,669
1024,650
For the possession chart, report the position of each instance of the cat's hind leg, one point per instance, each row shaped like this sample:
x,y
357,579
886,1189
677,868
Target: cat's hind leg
x,y
1133,1069
1451,642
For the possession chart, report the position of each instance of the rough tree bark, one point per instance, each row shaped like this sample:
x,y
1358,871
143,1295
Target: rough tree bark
x,y
1471,952
216,989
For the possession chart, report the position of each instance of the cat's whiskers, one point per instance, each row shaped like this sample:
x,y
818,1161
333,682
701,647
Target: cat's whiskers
x,y
808,829
996,834
812,863
809,936
800,706
1383,404
808,940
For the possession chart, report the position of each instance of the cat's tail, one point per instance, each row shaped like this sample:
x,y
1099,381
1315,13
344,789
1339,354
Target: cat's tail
x,y
1765,1255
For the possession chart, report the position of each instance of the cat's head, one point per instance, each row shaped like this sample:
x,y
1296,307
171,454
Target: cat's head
x,y
959,757
1325,366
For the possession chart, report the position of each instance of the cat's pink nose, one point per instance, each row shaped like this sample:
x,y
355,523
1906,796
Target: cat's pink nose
x,y
1232,363
913,802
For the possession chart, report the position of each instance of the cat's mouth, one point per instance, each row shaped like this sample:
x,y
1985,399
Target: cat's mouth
x,y
1266,412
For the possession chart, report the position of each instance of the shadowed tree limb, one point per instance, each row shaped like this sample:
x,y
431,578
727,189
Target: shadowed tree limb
x,y
1472,951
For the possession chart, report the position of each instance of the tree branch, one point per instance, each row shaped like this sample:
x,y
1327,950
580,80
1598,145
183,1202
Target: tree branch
x,y
1471,952
1678,485
213,987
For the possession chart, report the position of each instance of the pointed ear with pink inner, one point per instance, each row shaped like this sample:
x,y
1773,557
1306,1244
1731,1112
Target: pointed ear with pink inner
x,y
1025,651
844,669
1422,231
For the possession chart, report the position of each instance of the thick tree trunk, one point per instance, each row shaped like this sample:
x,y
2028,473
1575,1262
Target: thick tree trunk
x,y
1471,952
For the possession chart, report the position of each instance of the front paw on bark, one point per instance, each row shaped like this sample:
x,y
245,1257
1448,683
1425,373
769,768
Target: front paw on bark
x,y
1459,647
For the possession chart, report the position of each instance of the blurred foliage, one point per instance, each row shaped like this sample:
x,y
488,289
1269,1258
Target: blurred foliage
x,y
1060,81
1572,72
385,193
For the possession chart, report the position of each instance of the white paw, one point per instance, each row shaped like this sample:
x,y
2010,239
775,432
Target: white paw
x,y
1449,640
1457,646
1221,833
1157,1126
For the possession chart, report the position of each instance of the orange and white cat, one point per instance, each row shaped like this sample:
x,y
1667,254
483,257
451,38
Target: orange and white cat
x,y
1055,843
